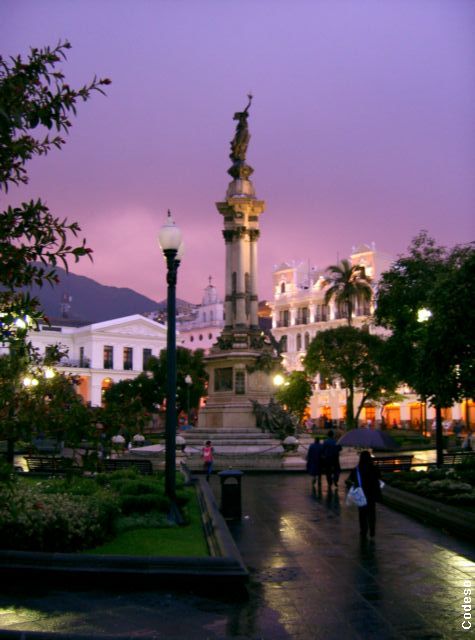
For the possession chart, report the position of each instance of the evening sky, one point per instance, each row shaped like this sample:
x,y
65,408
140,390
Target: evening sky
x,y
362,127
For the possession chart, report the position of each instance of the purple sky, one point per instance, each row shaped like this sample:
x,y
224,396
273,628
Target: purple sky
x,y
362,127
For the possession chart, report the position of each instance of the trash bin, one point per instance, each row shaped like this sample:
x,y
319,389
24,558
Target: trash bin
x,y
231,493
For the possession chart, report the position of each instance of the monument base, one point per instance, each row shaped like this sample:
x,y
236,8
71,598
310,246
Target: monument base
x,y
234,382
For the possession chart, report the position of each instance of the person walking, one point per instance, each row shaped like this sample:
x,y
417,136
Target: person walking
x,y
366,475
207,455
314,464
331,460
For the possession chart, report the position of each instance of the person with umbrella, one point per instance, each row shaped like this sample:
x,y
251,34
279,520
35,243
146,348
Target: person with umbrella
x,y
366,475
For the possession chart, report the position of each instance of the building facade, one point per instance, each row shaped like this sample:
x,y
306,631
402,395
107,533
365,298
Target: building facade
x,y
201,328
299,312
104,352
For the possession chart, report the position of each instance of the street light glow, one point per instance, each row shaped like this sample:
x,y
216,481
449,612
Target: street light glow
x,y
278,380
423,315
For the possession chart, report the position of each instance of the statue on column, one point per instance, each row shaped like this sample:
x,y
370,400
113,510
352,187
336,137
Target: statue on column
x,y
239,145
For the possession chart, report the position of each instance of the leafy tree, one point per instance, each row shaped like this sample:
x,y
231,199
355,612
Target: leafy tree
x,y
426,301
35,108
187,363
295,393
33,403
130,403
357,358
347,284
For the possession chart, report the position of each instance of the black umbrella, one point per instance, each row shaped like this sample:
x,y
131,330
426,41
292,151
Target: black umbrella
x,y
368,439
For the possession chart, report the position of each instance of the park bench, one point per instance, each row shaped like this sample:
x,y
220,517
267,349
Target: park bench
x,y
48,465
117,464
457,457
387,464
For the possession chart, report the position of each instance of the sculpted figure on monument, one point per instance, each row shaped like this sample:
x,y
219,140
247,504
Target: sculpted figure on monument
x,y
241,137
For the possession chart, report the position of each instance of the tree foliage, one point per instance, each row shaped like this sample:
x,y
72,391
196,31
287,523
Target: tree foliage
x,y
432,351
435,355
355,357
295,393
130,403
35,108
187,363
347,284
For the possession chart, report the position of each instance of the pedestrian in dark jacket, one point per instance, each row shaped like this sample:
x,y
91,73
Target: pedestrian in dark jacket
x,y
370,483
331,460
314,463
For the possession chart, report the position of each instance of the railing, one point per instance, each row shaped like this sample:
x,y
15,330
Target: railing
x,y
84,363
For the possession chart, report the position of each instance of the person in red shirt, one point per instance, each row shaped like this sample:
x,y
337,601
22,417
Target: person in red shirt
x,y
207,454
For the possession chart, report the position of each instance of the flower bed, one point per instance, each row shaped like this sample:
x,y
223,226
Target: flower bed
x,y
80,513
454,486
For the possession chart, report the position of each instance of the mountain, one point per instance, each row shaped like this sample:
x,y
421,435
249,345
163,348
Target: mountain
x,y
83,300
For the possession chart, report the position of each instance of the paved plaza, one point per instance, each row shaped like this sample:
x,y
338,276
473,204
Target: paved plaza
x,y
311,578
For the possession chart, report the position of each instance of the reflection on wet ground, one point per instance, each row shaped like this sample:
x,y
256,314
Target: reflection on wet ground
x,y
311,578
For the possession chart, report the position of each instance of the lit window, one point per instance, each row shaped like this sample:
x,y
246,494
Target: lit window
x,y
108,357
128,358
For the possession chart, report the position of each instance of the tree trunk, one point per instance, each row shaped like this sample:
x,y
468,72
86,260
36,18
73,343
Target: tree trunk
x,y
438,436
350,419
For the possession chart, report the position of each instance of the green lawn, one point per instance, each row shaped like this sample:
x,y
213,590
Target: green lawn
x,y
186,541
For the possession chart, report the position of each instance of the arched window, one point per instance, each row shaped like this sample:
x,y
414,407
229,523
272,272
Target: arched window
x,y
307,340
200,336
210,336
282,287
192,338
299,342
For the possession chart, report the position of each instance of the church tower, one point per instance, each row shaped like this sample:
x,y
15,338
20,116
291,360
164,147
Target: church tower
x,y
239,363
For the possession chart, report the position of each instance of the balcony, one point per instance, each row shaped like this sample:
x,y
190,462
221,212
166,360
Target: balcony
x,y
80,363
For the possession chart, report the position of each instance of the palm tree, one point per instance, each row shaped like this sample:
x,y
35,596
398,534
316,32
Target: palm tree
x,y
347,284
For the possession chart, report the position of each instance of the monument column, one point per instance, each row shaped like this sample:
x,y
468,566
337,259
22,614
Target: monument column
x,y
239,240
228,302
234,364
253,236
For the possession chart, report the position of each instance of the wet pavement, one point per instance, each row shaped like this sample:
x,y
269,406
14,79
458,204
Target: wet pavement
x,y
311,578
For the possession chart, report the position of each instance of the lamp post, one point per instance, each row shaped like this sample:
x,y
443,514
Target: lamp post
x,y
171,244
188,382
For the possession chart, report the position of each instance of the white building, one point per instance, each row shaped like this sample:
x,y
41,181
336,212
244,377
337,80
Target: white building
x,y
103,352
299,313
201,328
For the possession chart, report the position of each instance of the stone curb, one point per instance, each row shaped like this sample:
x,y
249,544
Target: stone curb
x,y
224,568
456,520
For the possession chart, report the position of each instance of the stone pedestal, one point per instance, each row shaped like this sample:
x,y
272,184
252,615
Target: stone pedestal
x,y
233,384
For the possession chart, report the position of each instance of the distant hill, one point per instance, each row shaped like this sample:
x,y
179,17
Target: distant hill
x,y
82,299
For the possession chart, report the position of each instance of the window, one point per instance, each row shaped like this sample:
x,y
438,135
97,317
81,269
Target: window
x,y
223,379
192,338
307,340
282,287
128,358
283,344
239,383
210,336
108,357
81,356
299,342
146,355
200,336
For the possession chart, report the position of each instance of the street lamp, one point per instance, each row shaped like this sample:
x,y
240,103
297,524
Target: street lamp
x,y
171,244
188,382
